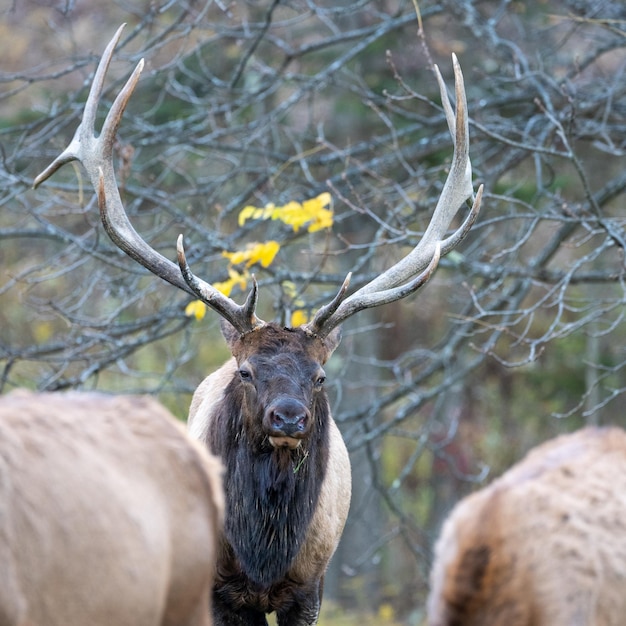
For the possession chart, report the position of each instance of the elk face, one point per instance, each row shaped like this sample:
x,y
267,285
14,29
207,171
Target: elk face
x,y
283,386
281,378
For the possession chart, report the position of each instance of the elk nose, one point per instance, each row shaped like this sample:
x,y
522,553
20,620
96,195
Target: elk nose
x,y
288,418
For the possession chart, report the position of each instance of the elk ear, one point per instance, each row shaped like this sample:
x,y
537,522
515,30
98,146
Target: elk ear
x,y
230,333
333,339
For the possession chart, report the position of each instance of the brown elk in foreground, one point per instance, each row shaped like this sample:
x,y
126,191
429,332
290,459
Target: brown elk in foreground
x,y
266,413
109,513
543,545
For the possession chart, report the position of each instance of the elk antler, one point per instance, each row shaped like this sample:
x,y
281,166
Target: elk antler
x,y
96,155
411,272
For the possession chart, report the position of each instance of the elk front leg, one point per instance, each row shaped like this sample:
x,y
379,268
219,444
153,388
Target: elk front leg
x,y
224,614
306,608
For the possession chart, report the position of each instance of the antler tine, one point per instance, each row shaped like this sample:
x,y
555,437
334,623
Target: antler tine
x,y
85,132
451,242
96,155
243,318
397,282
397,293
328,311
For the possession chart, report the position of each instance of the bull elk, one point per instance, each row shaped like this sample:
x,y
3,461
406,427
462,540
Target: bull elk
x,y
543,545
265,413
109,513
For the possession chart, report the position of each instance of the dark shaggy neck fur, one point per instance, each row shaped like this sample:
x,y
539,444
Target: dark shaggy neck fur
x,y
271,493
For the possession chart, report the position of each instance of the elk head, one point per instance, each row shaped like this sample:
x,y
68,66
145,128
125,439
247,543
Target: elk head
x,y
400,280
280,375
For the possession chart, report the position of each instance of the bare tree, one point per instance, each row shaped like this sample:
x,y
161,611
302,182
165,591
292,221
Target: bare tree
x,y
256,103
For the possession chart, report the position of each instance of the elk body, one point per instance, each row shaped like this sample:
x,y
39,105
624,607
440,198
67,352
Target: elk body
x,y
109,513
287,470
265,413
543,545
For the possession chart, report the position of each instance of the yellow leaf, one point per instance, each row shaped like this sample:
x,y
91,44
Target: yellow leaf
x,y
245,214
298,318
238,279
254,213
325,199
236,258
42,332
224,287
317,204
196,309
323,219
235,279
294,214
266,213
312,212
291,214
386,612
263,253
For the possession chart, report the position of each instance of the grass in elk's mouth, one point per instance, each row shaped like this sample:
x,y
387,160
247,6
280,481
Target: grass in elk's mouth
x,y
300,462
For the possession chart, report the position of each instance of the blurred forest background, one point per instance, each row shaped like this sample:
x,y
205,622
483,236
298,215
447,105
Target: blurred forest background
x,y
520,334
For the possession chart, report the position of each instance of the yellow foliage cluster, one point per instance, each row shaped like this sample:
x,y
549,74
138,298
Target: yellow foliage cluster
x,y
262,253
314,213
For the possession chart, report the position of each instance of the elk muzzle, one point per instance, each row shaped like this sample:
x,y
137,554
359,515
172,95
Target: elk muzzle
x,y
286,422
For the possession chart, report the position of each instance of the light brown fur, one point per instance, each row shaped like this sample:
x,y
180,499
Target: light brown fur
x,y
544,545
108,513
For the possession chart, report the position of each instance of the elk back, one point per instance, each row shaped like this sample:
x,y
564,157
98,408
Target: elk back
x,y
545,544
108,513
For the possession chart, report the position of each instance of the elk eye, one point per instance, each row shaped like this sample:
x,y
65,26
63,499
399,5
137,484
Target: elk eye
x,y
245,375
